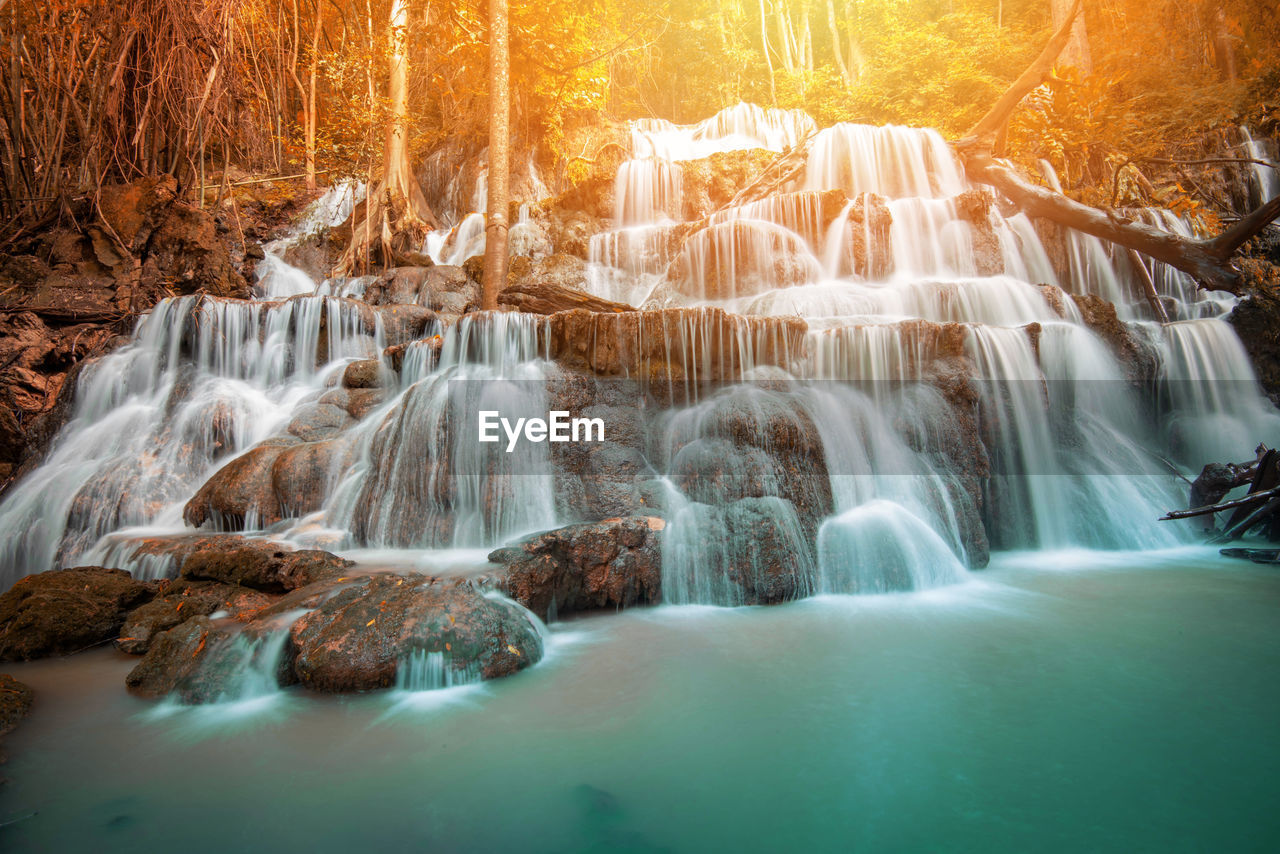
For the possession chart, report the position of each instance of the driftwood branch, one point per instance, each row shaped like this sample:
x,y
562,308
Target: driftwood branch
x,y
788,166
1246,501
1207,261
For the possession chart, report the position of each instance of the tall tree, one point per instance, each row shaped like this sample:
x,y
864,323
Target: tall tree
x,y
396,215
1076,54
495,248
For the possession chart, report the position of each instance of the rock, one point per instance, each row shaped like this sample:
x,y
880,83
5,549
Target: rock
x,y
755,443
362,401
66,610
751,552
769,555
315,421
570,231
1256,320
197,661
302,475
440,288
187,252
363,373
712,182
404,323
1140,361
15,703
739,258
559,272
359,639
182,602
262,565
616,563
240,491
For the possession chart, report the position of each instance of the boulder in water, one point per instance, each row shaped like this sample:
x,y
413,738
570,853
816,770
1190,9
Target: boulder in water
x,y
66,610
1140,361
443,288
769,552
182,602
615,563
363,373
179,662
404,323
358,639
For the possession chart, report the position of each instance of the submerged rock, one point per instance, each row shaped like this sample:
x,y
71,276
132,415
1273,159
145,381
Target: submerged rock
x,y
66,610
615,563
359,639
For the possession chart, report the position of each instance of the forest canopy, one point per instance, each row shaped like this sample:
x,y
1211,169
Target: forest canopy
x,y
98,91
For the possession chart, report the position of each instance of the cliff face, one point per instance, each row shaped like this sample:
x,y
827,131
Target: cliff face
x,y
69,292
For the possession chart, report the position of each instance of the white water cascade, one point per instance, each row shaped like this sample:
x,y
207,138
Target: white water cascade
x,y
911,381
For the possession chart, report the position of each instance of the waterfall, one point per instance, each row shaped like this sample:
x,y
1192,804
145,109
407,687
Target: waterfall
x,y
856,384
1266,179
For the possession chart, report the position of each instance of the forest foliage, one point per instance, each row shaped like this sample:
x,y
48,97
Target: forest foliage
x,y
96,91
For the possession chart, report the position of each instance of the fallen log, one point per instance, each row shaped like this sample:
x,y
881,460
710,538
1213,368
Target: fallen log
x,y
1246,501
549,299
787,166
1207,261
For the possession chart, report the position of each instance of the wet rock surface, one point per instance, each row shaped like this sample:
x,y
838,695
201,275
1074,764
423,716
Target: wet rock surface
x,y
188,661
1139,361
66,610
672,344
615,563
241,491
359,638
183,601
1256,320
262,565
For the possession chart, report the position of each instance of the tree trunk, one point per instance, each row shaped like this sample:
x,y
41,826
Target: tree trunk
x,y
1223,53
395,214
495,249
835,43
768,60
1076,54
311,101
